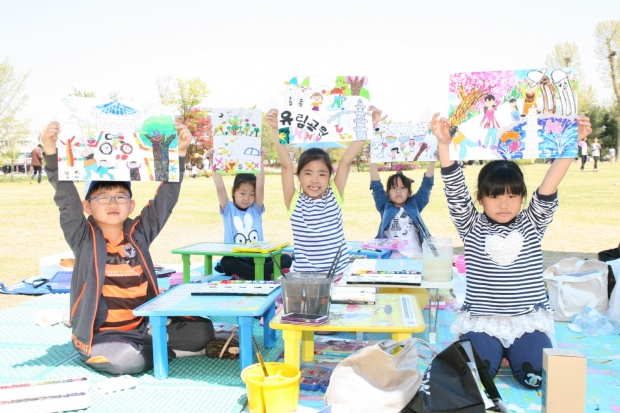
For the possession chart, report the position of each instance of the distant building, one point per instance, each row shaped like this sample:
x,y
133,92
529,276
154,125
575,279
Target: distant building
x,y
22,164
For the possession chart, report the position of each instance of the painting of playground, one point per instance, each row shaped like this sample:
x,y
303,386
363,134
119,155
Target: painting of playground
x,y
106,139
514,114
323,109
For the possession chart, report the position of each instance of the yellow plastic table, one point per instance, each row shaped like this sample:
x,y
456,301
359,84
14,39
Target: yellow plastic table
x,y
422,291
209,249
391,313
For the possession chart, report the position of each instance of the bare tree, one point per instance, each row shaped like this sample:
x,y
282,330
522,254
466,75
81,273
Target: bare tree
x,y
82,93
607,48
165,90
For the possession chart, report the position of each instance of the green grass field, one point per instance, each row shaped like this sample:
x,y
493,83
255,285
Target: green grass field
x,y
586,222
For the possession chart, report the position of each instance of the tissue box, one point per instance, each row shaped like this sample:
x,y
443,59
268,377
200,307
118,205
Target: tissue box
x,y
564,381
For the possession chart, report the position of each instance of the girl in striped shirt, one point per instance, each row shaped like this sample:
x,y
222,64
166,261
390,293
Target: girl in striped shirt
x,y
506,312
315,210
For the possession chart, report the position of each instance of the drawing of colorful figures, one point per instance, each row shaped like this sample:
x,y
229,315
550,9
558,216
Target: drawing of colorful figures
x,y
103,139
403,142
324,109
514,114
236,140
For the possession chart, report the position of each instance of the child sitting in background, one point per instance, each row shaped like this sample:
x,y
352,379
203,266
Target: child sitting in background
x,y
243,220
113,271
506,311
315,210
400,209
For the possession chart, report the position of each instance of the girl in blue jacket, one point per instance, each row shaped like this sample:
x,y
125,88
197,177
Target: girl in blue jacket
x,y
400,209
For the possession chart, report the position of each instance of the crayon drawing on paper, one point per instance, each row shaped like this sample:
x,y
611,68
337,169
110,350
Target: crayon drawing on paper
x,y
103,139
236,140
403,142
323,109
514,114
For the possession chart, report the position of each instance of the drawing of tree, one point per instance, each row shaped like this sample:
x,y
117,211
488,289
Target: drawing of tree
x,y
159,133
471,88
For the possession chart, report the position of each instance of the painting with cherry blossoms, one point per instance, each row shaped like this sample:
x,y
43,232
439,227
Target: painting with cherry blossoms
x,y
514,114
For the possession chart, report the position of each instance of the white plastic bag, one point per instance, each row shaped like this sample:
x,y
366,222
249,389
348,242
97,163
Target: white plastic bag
x,y
614,300
574,284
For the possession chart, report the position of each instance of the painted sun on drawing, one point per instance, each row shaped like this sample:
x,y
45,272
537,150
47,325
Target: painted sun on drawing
x,y
323,109
514,114
103,139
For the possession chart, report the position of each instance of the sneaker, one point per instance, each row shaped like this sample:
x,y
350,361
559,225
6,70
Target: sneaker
x,y
596,170
30,181
582,170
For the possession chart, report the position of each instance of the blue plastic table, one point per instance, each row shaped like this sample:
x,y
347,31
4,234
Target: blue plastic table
x,y
178,301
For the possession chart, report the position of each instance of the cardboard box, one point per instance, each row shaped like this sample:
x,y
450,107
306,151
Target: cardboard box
x,y
564,381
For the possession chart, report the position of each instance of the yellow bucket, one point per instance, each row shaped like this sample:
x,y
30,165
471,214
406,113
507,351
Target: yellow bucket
x,y
278,393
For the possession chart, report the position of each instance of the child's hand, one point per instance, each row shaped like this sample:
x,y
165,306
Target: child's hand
x,y
441,129
185,138
272,120
376,115
209,154
49,136
584,128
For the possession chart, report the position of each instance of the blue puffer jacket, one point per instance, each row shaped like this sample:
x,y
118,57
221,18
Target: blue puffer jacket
x,y
414,205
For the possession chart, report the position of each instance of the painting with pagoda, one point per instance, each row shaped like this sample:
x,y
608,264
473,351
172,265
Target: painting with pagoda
x,y
104,139
514,114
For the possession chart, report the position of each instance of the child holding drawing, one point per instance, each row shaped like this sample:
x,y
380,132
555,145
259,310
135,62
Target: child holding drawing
x,y
506,311
400,209
243,220
113,271
315,210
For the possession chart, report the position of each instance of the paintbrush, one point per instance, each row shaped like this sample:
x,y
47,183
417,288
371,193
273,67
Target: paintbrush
x,y
260,357
277,264
333,267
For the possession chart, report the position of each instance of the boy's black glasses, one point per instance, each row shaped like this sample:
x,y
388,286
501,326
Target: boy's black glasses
x,y
106,199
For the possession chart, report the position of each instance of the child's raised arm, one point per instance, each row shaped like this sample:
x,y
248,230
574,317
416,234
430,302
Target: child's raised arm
x,y
220,188
259,196
559,167
287,173
185,137
49,136
441,130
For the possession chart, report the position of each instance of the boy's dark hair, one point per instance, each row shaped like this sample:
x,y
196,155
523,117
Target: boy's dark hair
x,y
393,181
39,146
314,154
499,177
100,185
243,179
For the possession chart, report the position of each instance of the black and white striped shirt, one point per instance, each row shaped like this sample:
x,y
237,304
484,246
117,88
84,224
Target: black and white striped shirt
x,y
318,233
504,261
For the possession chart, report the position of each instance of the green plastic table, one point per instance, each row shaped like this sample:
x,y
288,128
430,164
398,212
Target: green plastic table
x,y
209,249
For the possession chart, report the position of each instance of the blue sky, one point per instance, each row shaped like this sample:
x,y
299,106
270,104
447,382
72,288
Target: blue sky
x,y
238,47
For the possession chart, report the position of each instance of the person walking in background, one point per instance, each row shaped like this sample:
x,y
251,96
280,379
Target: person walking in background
x,y
583,151
36,162
612,154
194,170
596,153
